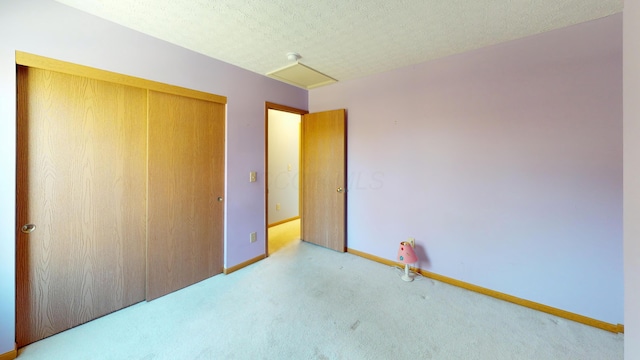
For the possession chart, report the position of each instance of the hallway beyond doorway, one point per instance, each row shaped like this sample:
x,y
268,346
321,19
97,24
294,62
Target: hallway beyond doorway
x,y
282,235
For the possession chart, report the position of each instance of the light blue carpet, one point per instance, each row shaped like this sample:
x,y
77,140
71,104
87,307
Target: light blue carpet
x,y
307,302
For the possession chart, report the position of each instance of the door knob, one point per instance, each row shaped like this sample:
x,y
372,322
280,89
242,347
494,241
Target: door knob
x,y
28,228
219,198
340,189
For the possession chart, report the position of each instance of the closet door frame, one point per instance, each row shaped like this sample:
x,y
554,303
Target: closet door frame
x,y
40,62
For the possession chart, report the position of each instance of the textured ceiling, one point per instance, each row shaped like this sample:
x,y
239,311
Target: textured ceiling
x,y
344,39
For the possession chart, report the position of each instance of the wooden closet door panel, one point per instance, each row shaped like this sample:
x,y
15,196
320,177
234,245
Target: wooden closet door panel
x,y
186,176
81,181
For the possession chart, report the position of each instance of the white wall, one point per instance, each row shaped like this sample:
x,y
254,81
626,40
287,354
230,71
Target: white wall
x,y
7,198
50,29
632,179
284,160
504,163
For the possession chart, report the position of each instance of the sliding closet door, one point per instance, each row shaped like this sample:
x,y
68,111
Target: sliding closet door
x,y
81,200
186,185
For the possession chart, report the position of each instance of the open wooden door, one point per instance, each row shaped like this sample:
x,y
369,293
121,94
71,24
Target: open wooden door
x,y
324,179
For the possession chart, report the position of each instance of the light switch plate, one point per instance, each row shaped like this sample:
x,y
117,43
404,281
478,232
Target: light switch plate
x,y
253,176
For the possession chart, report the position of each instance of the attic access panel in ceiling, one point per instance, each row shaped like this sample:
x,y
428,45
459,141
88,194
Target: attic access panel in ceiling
x,y
302,76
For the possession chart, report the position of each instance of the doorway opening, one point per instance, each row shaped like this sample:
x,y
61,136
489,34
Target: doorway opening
x,y
282,186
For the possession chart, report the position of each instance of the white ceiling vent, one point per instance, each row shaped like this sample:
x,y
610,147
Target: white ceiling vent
x,y
302,76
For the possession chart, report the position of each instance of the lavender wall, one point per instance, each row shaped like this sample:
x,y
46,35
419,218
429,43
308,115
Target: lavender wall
x,y
632,179
47,28
505,164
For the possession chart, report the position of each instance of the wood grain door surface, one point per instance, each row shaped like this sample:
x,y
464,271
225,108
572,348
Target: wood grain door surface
x,y
324,179
81,182
186,177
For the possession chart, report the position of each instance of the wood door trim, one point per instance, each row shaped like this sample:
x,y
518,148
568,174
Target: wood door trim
x,y
41,62
285,108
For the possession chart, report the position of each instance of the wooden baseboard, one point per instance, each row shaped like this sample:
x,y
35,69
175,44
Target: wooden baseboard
x,y
9,355
372,257
615,328
228,271
284,221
